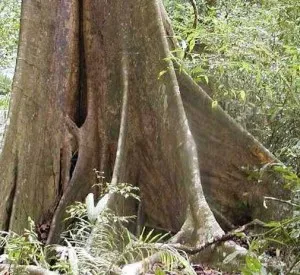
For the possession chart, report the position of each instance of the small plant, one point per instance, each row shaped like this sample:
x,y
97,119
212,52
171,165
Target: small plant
x,y
96,242
24,250
278,247
103,244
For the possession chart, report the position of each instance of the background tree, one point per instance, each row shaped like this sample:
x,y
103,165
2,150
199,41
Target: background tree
x,y
9,29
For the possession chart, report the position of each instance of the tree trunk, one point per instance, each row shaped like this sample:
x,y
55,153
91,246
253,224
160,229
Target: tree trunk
x,y
89,93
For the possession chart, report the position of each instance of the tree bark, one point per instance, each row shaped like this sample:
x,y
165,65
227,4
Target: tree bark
x,y
89,93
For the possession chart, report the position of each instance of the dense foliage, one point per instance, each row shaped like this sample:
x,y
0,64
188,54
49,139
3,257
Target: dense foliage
x,y
96,242
9,33
248,53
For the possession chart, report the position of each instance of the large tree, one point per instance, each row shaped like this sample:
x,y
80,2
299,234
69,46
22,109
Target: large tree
x,y
95,88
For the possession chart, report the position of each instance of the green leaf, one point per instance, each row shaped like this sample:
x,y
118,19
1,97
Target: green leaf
x,y
162,73
159,271
253,264
243,95
214,104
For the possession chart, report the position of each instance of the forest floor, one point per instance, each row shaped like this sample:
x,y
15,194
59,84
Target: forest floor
x,y
206,270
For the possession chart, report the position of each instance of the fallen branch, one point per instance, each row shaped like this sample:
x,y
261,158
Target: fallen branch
x,y
226,237
140,267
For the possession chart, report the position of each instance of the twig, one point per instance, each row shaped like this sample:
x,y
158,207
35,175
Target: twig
x,y
282,201
193,3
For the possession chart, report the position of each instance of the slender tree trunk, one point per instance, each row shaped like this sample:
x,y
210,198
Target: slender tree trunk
x,y
89,93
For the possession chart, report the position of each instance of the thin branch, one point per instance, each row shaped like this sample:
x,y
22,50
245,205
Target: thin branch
x,y
282,201
193,3
138,267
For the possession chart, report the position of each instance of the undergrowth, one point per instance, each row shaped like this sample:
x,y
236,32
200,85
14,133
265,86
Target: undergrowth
x,y
95,243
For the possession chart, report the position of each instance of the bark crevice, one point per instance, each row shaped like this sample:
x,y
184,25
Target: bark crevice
x,y
81,112
12,196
